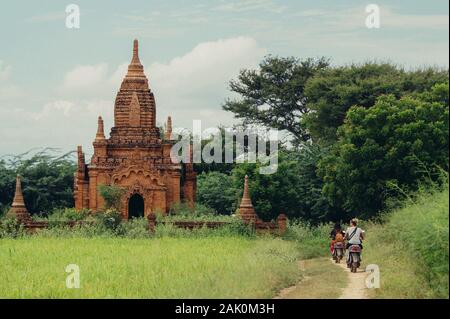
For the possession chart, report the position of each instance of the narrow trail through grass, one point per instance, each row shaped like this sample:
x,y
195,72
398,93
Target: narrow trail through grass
x,y
356,283
320,280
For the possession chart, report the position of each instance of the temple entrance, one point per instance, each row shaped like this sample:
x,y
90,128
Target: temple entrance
x,y
135,206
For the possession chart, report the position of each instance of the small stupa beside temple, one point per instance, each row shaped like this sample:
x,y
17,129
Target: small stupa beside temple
x,y
248,214
18,209
246,210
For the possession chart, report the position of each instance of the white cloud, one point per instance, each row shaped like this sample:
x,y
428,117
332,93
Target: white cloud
x,y
207,65
194,86
65,107
85,76
61,124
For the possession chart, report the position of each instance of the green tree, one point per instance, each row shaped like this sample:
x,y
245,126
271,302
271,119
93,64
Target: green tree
x,y
216,190
274,96
397,141
47,180
333,91
294,189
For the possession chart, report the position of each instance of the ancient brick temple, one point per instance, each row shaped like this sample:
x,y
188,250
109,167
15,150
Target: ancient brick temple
x,y
135,156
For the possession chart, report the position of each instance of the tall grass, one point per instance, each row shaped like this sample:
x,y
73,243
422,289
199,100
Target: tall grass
x,y
212,267
412,248
312,241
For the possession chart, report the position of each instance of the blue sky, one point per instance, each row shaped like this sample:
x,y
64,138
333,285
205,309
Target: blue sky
x,y
55,81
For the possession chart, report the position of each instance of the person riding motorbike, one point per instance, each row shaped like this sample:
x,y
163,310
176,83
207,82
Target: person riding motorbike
x,y
337,236
354,236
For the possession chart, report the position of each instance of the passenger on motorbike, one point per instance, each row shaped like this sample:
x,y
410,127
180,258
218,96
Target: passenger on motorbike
x,y
336,235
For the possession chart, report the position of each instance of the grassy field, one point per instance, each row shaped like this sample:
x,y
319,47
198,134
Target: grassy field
x,y
412,249
211,267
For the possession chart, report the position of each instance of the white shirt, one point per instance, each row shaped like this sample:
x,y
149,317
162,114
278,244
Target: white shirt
x,y
356,239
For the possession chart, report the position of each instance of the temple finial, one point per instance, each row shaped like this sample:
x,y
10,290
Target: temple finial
x,y
246,195
135,59
135,68
100,130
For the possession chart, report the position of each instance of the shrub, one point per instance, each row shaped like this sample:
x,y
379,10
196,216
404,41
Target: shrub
x,y
110,219
11,228
313,241
65,214
112,194
134,228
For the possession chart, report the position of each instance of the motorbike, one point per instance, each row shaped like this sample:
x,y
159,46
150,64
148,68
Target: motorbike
x,y
338,252
354,258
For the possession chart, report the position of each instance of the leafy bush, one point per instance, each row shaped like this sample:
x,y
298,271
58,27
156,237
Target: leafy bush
x,y
313,241
234,227
63,214
134,228
112,194
182,211
11,228
110,219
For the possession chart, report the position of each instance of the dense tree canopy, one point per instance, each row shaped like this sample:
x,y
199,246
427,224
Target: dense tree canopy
x,y
333,91
47,180
216,190
396,141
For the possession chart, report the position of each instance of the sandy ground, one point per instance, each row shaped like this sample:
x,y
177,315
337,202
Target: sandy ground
x,y
356,287
322,283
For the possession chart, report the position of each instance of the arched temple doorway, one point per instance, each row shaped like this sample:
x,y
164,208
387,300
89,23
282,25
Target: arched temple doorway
x,y
135,206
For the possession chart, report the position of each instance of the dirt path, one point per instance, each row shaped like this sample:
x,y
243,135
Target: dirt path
x,y
322,279
356,287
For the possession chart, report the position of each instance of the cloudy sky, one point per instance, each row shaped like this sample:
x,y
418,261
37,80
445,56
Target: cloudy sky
x,y
55,81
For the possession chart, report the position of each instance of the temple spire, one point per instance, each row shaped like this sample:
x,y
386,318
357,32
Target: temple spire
x,y
135,68
18,196
246,196
246,210
100,130
18,208
168,135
